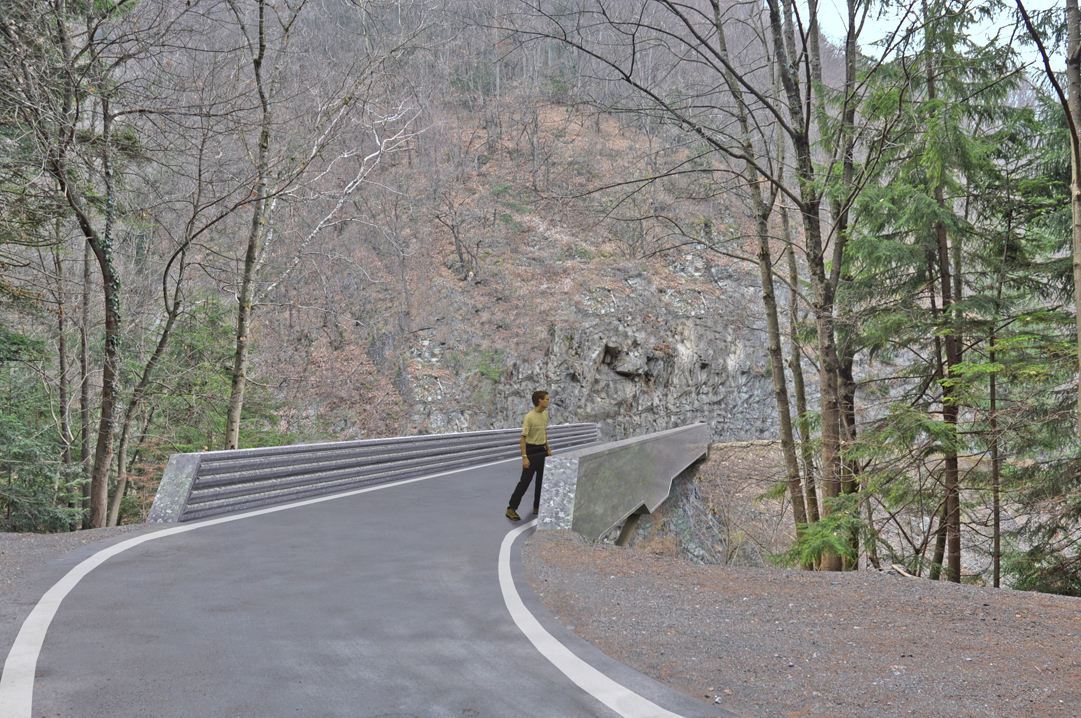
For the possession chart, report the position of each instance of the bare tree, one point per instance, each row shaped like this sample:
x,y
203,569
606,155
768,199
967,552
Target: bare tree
x,y
286,164
63,87
745,107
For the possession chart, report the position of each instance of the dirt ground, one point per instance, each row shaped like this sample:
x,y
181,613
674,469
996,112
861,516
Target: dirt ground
x,y
777,643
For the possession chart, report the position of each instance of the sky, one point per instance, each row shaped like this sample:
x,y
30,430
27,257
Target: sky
x,y
833,19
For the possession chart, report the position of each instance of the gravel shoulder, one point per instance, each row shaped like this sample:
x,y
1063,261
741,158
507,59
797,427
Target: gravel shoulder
x,y
774,643
21,555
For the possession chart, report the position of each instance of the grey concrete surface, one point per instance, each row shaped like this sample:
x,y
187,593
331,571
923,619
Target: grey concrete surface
x,y
174,488
558,492
380,604
594,489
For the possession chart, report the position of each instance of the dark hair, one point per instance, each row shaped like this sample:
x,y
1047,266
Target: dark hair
x,y
537,396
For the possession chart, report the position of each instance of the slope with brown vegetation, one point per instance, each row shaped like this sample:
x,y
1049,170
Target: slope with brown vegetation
x,y
549,295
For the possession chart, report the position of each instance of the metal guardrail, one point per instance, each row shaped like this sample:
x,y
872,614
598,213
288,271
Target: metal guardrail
x,y
203,484
591,490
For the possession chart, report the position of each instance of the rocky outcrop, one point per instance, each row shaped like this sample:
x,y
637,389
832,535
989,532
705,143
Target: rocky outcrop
x,y
634,358
634,375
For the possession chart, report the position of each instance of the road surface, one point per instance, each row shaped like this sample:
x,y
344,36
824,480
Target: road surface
x,y
401,600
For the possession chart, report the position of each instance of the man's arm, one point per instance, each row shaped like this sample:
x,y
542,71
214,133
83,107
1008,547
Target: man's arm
x,y
525,460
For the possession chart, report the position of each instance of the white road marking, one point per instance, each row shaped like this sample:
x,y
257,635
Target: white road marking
x,y
17,680
622,700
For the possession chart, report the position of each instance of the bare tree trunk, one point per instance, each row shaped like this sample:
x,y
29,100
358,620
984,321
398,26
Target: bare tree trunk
x,y
950,411
996,459
809,205
1071,104
762,211
84,386
795,363
238,384
951,342
844,146
84,329
850,467
846,143
256,233
939,375
872,539
103,451
136,400
1073,82
940,546
121,471
102,244
63,381
776,360
827,349
996,472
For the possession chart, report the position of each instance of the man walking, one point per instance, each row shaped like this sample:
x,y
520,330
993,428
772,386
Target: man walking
x,y
534,450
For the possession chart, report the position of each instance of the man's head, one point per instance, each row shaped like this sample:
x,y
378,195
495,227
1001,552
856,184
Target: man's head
x,y
538,397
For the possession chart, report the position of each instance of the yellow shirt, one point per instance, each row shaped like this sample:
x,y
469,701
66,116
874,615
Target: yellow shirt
x,y
533,428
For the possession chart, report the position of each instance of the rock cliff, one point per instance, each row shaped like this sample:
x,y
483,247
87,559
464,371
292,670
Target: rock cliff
x,y
648,348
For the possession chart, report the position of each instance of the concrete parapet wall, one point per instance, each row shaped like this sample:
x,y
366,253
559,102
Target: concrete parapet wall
x,y
594,489
203,484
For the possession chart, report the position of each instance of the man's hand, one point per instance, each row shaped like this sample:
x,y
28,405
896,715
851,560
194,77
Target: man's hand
x,y
525,463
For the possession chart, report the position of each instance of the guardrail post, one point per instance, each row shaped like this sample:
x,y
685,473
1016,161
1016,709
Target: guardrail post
x,y
174,489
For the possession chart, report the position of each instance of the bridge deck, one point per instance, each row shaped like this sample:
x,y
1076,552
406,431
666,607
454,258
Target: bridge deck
x,y
384,603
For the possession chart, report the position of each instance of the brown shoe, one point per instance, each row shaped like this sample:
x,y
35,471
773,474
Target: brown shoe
x,y
513,515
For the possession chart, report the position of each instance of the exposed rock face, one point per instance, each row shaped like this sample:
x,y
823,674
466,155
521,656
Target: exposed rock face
x,y
635,375
634,357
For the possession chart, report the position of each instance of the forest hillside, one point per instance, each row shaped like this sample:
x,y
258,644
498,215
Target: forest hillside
x,y
234,224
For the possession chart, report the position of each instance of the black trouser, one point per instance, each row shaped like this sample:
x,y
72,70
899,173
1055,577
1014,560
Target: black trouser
x,y
536,454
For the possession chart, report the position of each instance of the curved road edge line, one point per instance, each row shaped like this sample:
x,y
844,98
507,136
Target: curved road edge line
x,y
619,698
17,679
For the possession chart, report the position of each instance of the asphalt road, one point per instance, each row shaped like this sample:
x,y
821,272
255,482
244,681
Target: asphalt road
x,y
386,603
